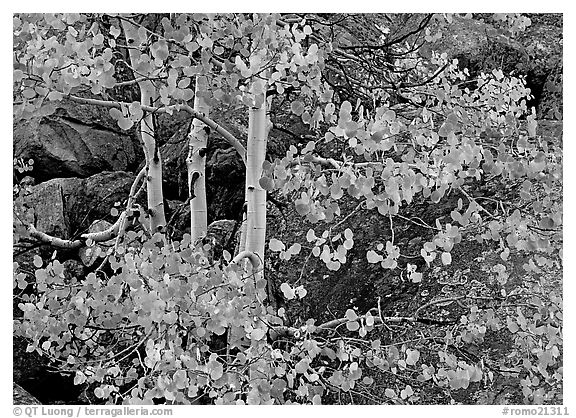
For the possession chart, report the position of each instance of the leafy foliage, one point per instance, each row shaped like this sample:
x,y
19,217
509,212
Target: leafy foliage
x,y
167,322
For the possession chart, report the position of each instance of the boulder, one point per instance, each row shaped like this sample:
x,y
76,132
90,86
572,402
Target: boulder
x,y
46,200
76,141
65,207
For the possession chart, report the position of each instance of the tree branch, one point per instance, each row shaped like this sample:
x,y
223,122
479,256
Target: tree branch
x,y
101,236
231,139
254,259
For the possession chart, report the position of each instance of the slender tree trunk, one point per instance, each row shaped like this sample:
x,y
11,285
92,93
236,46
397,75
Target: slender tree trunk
x,y
148,95
255,194
196,163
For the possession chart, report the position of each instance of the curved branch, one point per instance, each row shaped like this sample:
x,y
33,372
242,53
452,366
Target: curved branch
x,y
231,139
254,259
286,331
101,236
131,198
137,80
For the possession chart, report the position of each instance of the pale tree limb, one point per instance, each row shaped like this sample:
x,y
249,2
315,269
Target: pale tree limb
x,y
231,139
101,236
254,259
287,331
131,198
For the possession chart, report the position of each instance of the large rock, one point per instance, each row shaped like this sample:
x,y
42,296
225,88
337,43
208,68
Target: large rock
x,y
65,207
76,141
49,207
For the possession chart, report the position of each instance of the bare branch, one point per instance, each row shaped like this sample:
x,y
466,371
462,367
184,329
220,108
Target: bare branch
x,y
231,139
101,236
254,259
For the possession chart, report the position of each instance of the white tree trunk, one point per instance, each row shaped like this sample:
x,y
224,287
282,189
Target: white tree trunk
x,y
147,96
255,194
196,163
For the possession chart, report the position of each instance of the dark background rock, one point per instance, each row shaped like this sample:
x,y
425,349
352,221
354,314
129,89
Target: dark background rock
x,y
65,207
76,141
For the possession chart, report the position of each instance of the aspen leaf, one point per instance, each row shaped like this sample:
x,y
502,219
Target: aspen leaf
x,y
37,261
300,291
79,378
416,277
276,245
302,366
287,291
390,393
369,319
446,258
310,235
55,96
217,371
406,392
266,183
297,107
373,257
351,315
114,31
125,123
352,325
257,334
302,208
412,357
295,248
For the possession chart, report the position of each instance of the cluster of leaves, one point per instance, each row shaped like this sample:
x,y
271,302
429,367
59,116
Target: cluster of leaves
x,y
165,322
448,144
168,325
234,59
